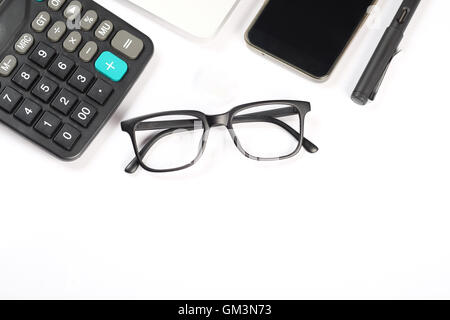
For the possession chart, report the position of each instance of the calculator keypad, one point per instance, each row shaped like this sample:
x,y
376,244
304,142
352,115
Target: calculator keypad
x,y
63,71
42,55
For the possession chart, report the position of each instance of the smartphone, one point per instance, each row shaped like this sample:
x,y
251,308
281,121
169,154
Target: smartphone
x,y
308,35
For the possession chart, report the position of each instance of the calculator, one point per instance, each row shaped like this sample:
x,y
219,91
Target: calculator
x,y
65,67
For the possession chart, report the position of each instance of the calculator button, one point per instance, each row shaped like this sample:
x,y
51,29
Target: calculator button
x,y
111,66
61,67
48,124
81,79
55,5
9,99
127,44
73,10
84,114
104,30
24,44
41,21
56,32
100,91
42,55
45,89
72,41
25,77
88,52
7,65
28,112
67,137
89,19
64,101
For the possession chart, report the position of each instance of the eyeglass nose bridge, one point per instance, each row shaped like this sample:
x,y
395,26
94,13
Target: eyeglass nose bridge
x,y
218,120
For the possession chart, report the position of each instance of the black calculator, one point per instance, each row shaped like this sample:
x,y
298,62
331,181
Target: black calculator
x,y
65,66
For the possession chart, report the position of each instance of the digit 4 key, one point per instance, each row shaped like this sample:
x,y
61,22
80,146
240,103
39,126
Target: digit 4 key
x,y
65,67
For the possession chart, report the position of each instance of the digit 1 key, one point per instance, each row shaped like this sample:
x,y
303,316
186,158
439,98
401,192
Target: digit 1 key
x,y
48,124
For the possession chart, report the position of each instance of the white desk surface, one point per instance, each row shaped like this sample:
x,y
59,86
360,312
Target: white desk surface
x,y
366,217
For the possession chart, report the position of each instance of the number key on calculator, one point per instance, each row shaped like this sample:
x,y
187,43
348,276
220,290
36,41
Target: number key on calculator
x,y
65,67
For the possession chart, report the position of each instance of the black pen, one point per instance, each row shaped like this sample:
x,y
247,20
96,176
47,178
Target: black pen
x,y
373,75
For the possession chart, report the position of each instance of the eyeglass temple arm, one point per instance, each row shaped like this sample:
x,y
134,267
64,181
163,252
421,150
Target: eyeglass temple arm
x,y
275,113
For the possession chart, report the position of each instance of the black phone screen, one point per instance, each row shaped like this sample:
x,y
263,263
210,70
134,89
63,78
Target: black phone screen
x,y
311,35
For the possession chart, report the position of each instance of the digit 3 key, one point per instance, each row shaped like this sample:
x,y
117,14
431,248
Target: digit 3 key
x,y
65,67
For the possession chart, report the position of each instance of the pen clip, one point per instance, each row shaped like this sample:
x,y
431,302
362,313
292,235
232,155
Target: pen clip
x,y
377,87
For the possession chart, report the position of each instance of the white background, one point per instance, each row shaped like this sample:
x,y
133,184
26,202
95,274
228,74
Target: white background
x,y
366,217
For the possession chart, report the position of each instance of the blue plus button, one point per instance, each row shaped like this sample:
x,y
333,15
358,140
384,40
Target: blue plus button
x,y
111,66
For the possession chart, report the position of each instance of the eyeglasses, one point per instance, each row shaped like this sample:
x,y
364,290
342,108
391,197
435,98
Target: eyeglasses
x,y
175,140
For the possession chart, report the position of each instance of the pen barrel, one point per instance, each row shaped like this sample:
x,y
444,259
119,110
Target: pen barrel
x,y
377,66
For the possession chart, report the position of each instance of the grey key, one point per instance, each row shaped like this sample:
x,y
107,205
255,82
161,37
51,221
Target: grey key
x,y
104,30
41,21
57,31
55,5
7,65
24,44
89,19
73,10
128,44
88,52
72,41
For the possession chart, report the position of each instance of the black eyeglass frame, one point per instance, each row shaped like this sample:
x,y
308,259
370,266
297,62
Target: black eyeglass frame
x,y
225,119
